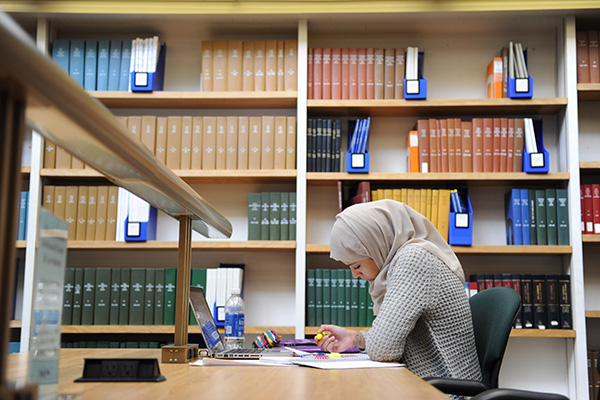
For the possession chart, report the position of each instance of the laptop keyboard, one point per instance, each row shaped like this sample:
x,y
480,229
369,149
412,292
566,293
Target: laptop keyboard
x,y
249,352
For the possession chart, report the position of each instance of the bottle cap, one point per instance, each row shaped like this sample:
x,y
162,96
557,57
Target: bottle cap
x,y
235,291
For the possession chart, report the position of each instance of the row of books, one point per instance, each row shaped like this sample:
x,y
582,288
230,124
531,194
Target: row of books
x,y
140,296
104,64
260,65
537,217
590,208
545,298
510,63
593,373
186,142
324,145
105,344
479,145
333,296
587,57
356,73
23,210
272,216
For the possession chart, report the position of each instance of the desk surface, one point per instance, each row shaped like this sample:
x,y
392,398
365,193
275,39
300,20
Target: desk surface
x,y
188,382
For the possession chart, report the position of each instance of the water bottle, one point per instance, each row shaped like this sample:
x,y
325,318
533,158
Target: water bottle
x,y
234,320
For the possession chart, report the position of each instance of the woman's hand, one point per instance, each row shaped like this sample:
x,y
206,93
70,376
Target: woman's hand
x,y
337,340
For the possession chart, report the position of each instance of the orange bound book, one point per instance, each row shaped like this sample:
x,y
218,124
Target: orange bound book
x,y
290,143
423,129
443,149
60,202
71,202
268,143
197,129
279,143
149,132
207,66
291,65
248,67
235,51
345,74
379,74
326,75
82,207
310,70
458,144
111,213
433,145
370,73
389,73
174,142
510,145
219,70
221,155
503,143
63,158
186,143
353,75
271,65
76,163
49,154
494,78
336,73
101,213
412,145
362,73
451,146
259,65
518,146
583,57
399,71
209,143
242,162
496,129
232,143
254,142
477,149
593,57
317,73
280,65
488,145
161,139
48,198
92,209
133,125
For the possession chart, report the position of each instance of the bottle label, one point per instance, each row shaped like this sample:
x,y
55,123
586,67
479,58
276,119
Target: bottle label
x,y
234,325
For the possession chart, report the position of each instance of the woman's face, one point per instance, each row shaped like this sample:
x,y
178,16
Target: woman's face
x,y
364,269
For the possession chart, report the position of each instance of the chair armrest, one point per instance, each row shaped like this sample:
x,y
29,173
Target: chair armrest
x,y
515,394
461,387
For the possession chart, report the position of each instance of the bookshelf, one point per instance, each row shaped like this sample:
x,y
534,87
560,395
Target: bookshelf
x,y
276,270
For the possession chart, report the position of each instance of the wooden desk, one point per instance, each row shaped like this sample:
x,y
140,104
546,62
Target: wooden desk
x,y
236,383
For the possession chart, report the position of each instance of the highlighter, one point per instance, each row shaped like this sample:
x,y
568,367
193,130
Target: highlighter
x,y
321,335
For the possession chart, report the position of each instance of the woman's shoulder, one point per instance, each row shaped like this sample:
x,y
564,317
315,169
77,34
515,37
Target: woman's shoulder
x,y
416,253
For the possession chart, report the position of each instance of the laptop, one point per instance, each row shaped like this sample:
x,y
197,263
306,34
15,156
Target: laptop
x,y
212,337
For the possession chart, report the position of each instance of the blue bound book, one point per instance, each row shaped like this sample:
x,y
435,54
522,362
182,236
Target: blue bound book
x,y
103,54
125,66
514,234
23,204
525,217
114,65
91,64
76,60
60,53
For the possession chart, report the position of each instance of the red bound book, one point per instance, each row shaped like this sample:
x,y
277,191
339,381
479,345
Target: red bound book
x,y
594,60
488,145
458,144
451,146
466,131
317,73
496,145
326,78
433,145
582,207
362,73
345,74
518,146
510,144
503,143
443,150
336,73
596,207
310,72
423,129
583,57
399,74
353,73
370,73
588,208
477,145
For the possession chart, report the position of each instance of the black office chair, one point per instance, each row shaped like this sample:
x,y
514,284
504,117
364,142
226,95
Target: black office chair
x,y
493,312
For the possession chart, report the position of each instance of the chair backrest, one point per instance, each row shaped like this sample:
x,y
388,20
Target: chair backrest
x,y
493,312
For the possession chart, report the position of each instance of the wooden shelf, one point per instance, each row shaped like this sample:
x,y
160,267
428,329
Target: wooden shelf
x,y
520,250
21,244
206,100
588,91
428,108
26,170
487,179
592,314
588,238
256,245
158,329
542,333
589,166
16,324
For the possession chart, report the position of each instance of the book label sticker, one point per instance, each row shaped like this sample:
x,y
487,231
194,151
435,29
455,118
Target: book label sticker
x,y
537,160
521,85
358,160
412,86
461,220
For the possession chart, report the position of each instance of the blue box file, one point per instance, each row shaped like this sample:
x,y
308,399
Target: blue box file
x,y
357,162
141,231
150,81
415,89
460,231
520,88
537,163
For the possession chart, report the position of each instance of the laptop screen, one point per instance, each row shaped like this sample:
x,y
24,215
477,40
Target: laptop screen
x,y
205,320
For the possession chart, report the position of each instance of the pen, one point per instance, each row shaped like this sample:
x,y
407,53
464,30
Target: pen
x,y
321,335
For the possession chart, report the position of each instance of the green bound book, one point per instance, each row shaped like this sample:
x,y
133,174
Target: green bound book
x,y
292,216
67,311
327,296
311,316
551,227
136,296
87,301
363,294
532,219
159,295
341,288
115,293
149,296
77,296
274,215
540,217
370,315
170,286
334,297
348,297
124,296
264,215
254,210
198,279
562,216
284,221
319,296
354,296
102,296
